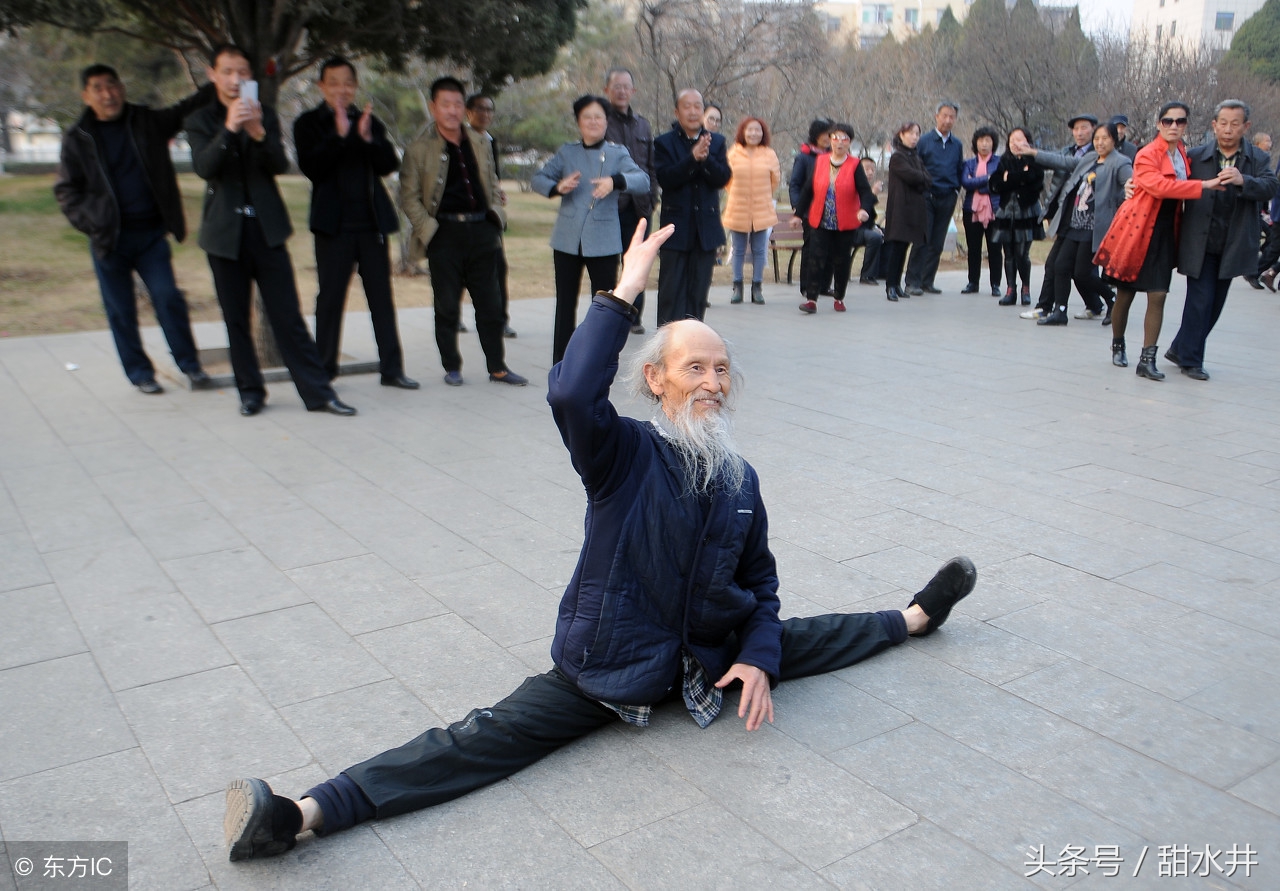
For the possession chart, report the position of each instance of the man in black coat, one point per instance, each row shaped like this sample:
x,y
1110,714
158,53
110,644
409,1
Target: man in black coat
x,y
116,184
345,153
692,168
631,130
235,147
1220,230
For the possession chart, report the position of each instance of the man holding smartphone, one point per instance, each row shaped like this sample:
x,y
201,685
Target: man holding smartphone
x,y
235,146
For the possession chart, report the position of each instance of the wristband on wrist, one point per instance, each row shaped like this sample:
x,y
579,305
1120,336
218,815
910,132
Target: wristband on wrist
x,y
628,307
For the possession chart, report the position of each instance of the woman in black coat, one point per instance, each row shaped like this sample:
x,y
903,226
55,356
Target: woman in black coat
x,y
905,216
1018,181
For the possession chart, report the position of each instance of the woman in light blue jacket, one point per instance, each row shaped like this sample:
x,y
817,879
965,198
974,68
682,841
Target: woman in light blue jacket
x,y
586,176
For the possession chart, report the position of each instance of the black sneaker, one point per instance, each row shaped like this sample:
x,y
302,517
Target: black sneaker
x,y
258,823
949,585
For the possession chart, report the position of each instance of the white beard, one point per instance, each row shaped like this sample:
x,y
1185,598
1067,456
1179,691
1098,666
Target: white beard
x,y
706,447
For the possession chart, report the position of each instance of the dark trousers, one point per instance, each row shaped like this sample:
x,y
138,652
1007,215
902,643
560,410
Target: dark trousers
x,y
337,256
628,219
974,235
1017,262
1074,263
272,269
684,279
824,274
1270,248
147,252
1206,295
923,265
832,249
465,255
871,240
892,259
548,711
603,272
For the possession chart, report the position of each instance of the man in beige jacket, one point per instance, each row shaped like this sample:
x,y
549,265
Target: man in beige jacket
x,y
449,191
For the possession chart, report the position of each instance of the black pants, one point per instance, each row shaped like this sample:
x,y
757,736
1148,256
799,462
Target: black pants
x,y
628,219
272,269
1206,296
684,279
822,275
1074,263
549,711
603,272
832,249
892,259
974,235
923,266
1270,248
871,240
337,256
466,255
1017,261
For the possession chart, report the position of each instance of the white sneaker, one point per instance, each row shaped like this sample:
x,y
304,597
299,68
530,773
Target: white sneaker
x,y
1087,314
1033,313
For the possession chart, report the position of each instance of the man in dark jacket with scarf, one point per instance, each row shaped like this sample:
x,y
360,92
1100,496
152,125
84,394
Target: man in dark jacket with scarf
x,y
345,153
116,184
1220,230
674,596
692,167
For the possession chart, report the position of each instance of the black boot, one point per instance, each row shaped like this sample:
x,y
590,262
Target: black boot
x,y
1147,364
1118,358
1026,295
1057,317
891,292
1010,297
757,293
737,293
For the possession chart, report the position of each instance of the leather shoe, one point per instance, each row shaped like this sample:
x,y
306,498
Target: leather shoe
x,y
509,377
637,329
868,280
970,288
1172,356
913,292
995,290
930,289
509,332
453,378
404,383
251,407
336,406
1057,317
1253,282
200,379
1196,373
1269,279
150,387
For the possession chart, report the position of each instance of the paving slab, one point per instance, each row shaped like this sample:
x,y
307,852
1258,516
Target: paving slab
x,y
188,596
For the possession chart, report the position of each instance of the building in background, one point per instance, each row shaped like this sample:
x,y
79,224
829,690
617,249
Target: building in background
x,y
1211,23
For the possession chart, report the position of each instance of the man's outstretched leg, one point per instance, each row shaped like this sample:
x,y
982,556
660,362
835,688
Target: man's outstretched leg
x,y
819,644
545,713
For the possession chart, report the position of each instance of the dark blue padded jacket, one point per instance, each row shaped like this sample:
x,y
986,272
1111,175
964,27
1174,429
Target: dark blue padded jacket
x,y
659,571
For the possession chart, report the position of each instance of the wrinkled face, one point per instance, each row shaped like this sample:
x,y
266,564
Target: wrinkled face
x,y
985,145
753,134
711,120
338,86
1103,144
696,367
480,116
1172,125
910,136
227,73
689,111
448,109
1229,128
592,123
105,97
945,119
620,89
1082,132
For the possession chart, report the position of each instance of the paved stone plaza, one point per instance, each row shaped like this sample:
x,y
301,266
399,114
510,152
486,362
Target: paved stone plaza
x,y
188,596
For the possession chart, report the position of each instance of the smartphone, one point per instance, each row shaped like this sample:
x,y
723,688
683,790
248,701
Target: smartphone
x,y
249,90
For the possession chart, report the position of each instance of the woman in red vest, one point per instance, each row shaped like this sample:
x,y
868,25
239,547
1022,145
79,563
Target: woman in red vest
x,y
1140,249
840,193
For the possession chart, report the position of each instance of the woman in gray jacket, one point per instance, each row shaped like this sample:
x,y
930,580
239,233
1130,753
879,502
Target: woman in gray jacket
x,y
1090,197
587,177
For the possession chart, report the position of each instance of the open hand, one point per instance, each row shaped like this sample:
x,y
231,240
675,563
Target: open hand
x,y
756,704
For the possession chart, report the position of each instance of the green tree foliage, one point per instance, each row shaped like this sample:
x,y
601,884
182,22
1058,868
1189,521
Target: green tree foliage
x,y
496,39
1256,46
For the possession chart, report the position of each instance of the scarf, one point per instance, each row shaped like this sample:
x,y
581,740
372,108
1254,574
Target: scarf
x,y
981,204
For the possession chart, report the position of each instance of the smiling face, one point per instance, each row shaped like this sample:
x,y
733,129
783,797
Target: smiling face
x,y
689,112
753,133
104,95
711,119
592,123
1103,144
695,367
338,86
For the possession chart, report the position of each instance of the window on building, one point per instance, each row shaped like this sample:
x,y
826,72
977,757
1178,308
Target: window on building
x,y
1173,29
912,18
1162,4
1225,21
877,14
1159,32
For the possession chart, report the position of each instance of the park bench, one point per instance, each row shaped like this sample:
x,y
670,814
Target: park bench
x,y
784,238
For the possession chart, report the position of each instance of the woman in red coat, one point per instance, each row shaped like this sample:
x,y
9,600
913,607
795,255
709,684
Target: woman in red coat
x,y
1140,249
